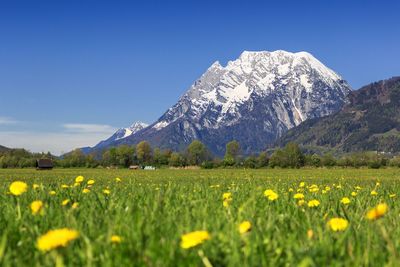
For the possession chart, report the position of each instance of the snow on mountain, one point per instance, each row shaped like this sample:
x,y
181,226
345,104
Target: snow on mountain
x,y
122,133
253,99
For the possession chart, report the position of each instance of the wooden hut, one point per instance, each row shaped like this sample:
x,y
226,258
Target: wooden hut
x,y
44,164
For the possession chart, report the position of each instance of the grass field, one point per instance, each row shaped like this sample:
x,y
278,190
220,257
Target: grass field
x,y
149,211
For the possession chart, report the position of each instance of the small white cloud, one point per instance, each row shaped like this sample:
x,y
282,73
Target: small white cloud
x,y
89,128
7,120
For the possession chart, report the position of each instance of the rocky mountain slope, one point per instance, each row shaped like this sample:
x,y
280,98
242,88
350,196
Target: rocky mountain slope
x,y
253,99
370,121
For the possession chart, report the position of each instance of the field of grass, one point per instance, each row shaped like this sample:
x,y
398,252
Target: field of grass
x,y
151,210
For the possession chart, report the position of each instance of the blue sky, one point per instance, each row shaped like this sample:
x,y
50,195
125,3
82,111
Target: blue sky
x,y
71,72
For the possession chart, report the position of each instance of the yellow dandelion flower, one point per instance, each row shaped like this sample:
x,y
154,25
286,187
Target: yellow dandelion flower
x,y
290,189
298,196
35,186
339,186
358,187
271,195
18,188
52,192
77,184
193,239
85,191
374,193
118,179
313,189
377,212
226,196
64,186
244,227
302,184
392,195
116,239
313,203
65,202
301,202
36,206
106,191
338,224
90,182
310,234
79,179
353,194
56,238
75,205
327,188
345,201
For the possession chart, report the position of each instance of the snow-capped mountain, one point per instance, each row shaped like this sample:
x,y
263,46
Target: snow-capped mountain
x,y
253,99
121,134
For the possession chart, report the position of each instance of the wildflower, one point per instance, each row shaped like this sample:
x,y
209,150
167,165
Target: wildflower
x,y
327,188
345,201
79,179
118,180
353,194
301,202
75,205
64,186
65,202
35,186
392,195
226,196
298,196
85,191
90,182
302,184
374,193
36,206
77,184
271,195
313,188
313,203
106,191
52,192
338,224
116,239
193,239
377,212
310,234
290,189
339,186
357,188
18,188
56,238
244,227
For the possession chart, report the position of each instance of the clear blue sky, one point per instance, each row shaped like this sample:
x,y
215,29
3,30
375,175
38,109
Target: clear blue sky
x,y
73,71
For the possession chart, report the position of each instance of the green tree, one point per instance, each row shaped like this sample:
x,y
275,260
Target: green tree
x,y
196,153
144,152
232,153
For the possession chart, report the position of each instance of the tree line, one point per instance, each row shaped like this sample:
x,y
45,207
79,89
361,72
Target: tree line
x,y
197,154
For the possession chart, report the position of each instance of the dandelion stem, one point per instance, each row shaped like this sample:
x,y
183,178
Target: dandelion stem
x,y
204,259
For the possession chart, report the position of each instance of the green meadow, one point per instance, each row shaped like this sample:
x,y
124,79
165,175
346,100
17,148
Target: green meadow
x,y
147,212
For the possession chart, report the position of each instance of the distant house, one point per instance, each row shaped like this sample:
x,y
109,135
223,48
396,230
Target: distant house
x,y
44,164
133,167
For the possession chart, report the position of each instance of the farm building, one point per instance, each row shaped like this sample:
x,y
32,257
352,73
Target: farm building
x,y
44,164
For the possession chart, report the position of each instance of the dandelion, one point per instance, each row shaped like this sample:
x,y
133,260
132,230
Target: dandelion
x,y
338,224
56,238
353,194
301,202
298,196
118,180
271,195
377,212
90,182
193,239
345,201
244,227
106,192
52,192
313,203
392,195
65,202
79,179
357,188
374,193
302,184
85,191
75,205
35,186
18,188
310,234
36,206
116,239
290,189
64,186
